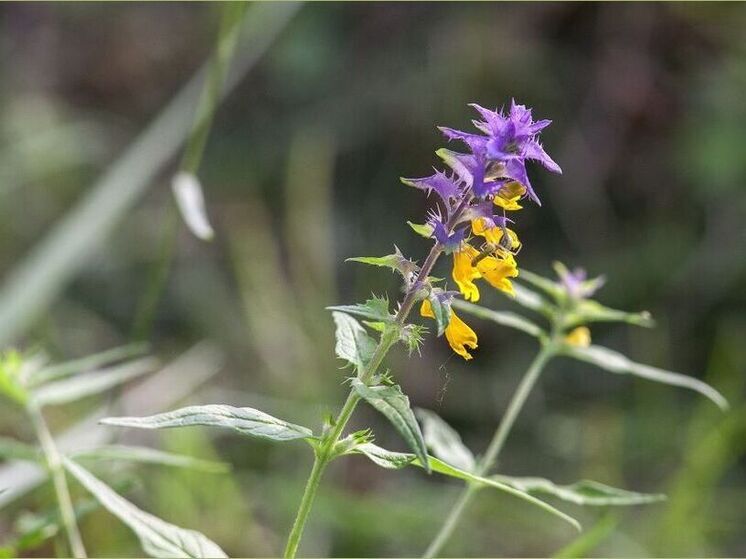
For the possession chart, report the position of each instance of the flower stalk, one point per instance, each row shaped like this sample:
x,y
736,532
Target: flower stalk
x,y
488,461
57,473
325,451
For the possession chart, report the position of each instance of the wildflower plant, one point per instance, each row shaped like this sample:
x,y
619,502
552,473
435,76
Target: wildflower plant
x,y
32,385
567,307
470,222
476,200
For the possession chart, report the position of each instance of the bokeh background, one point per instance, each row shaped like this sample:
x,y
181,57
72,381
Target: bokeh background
x,y
334,102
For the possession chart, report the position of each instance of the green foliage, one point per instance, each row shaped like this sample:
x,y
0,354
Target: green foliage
x,y
503,318
246,421
616,362
444,442
157,537
31,531
396,261
397,460
376,309
88,384
354,345
423,229
584,492
532,300
11,383
441,309
151,456
11,449
394,405
412,336
87,363
586,311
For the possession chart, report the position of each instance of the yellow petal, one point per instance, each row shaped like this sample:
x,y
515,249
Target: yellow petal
x,y
464,273
460,336
426,309
494,235
580,337
497,271
508,196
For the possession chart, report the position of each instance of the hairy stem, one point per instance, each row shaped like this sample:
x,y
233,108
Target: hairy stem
x,y
56,471
324,454
487,462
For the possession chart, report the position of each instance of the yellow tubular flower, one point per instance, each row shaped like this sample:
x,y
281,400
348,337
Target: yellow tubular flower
x,y
464,273
458,334
494,235
497,271
579,337
508,196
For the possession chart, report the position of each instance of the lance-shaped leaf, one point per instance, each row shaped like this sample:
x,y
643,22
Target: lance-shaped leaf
x,y
397,262
157,537
376,309
147,455
246,421
531,300
87,384
394,405
551,288
444,442
618,363
11,449
504,318
422,229
397,460
584,492
353,342
84,364
592,311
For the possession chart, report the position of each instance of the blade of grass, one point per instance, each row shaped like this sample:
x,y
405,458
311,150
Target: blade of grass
x,y
33,285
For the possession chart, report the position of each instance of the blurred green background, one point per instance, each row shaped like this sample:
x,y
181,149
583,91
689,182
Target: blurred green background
x,y
334,103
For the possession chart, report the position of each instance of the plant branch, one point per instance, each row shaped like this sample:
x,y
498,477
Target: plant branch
x,y
487,462
54,463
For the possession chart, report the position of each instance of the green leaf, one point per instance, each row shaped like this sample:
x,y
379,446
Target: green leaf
x,y
246,421
11,449
394,405
152,456
618,363
353,342
503,318
87,384
397,262
412,335
397,460
423,229
532,300
584,492
441,309
592,311
157,537
376,309
68,368
551,288
444,442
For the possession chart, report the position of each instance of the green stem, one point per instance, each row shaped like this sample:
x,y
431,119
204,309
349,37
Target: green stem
x,y
312,486
228,33
486,463
325,452
54,463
